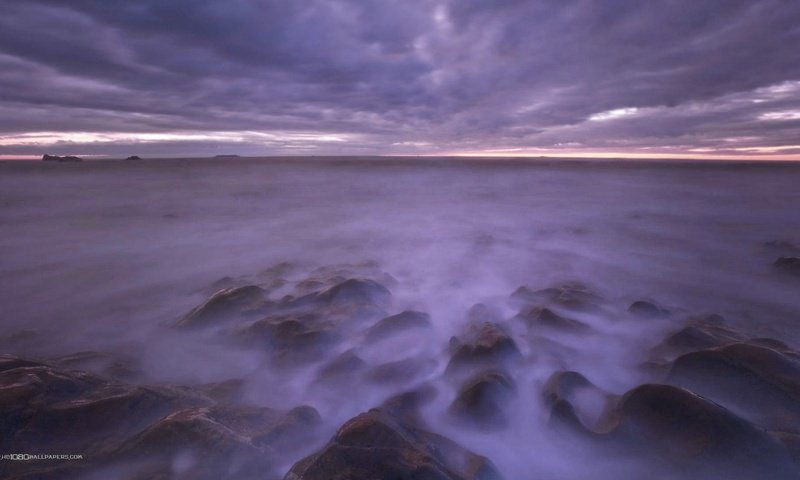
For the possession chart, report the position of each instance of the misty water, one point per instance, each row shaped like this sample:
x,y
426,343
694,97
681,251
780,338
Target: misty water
x,y
108,255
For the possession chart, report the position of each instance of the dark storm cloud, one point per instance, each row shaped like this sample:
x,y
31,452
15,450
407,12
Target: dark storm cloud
x,y
411,76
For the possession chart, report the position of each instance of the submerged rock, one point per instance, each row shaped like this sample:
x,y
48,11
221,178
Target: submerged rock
x,y
538,317
646,309
404,321
378,445
346,367
573,296
482,400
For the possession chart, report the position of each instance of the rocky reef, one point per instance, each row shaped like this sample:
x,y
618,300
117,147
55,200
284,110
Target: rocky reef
x,y
714,401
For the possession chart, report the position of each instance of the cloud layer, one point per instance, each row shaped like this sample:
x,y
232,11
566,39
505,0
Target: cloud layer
x,y
184,77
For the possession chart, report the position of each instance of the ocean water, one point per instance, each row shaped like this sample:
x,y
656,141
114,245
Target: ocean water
x,y
106,255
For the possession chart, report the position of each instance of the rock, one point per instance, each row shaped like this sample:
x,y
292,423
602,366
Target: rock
x,y
481,313
574,401
573,296
401,371
645,309
697,436
212,448
787,265
483,346
347,366
406,405
701,332
56,158
44,407
563,385
757,381
297,338
404,321
118,367
133,157
227,304
356,291
538,317
293,430
377,445
482,400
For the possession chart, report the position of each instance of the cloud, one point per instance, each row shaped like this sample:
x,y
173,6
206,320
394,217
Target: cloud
x,y
413,76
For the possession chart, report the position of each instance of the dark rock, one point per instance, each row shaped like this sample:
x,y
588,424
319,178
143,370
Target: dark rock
x,y
227,304
701,332
788,265
697,436
345,367
291,338
483,346
759,382
293,430
645,309
538,317
401,371
563,385
573,296
481,313
377,445
133,157
482,400
56,158
407,320
406,405
356,291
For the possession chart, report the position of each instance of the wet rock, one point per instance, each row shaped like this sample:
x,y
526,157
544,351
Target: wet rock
x,y
563,385
574,296
377,445
46,407
227,304
481,313
484,345
754,380
538,317
787,265
574,401
401,371
328,276
116,366
406,405
346,367
482,400
700,333
645,309
356,291
404,321
291,338
697,436
214,449
681,435
292,430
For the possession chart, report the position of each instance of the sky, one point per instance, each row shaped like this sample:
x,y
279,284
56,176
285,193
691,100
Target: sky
x,y
672,78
